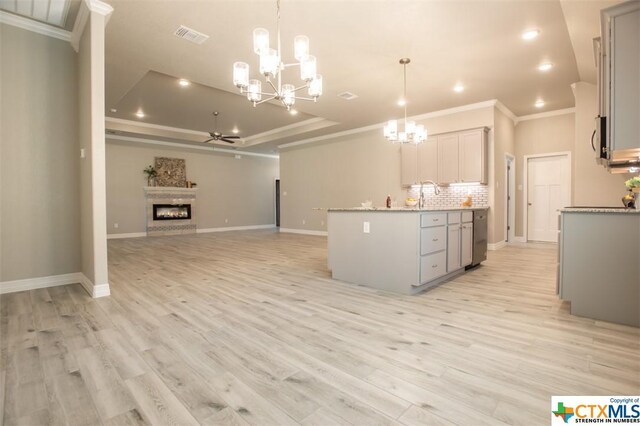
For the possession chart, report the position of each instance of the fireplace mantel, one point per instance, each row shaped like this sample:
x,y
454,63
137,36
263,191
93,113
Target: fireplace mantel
x,y
172,189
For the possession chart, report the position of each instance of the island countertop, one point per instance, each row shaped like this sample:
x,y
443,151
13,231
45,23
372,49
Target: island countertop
x,y
404,209
599,210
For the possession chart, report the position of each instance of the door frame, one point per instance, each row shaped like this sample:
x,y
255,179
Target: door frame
x,y
525,184
509,234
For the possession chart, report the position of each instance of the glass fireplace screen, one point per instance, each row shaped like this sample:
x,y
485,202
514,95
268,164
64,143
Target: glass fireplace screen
x,y
171,211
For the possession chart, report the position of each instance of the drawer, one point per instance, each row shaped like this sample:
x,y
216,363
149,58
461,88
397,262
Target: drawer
x,y
433,239
433,219
467,217
433,266
453,218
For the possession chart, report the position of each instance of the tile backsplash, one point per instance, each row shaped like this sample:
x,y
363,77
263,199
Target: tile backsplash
x,y
452,196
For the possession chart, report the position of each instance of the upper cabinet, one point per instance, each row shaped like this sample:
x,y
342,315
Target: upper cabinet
x,y
618,58
448,161
457,157
473,165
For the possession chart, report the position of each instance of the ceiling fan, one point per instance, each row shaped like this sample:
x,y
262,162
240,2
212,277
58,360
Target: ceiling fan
x,y
217,136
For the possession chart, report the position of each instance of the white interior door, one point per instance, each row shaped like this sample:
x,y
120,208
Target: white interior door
x,y
548,190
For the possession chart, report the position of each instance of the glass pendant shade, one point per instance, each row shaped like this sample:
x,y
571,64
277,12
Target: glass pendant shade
x,y
308,68
391,129
402,137
241,74
288,94
315,86
254,90
410,127
269,62
260,40
300,47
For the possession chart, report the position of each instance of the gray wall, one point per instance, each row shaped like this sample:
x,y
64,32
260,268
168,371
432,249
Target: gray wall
x,y
345,171
39,165
593,185
503,143
540,136
242,191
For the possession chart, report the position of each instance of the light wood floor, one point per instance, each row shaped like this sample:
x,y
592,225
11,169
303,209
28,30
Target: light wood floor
x,y
248,328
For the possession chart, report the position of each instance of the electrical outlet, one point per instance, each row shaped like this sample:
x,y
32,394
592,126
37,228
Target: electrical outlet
x,y
115,225
226,221
82,153
284,194
322,222
366,227
304,221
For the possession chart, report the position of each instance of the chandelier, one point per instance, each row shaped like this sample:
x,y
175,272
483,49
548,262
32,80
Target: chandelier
x,y
271,66
411,133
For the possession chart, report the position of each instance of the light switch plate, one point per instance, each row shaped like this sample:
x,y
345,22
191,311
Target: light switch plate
x,y
366,227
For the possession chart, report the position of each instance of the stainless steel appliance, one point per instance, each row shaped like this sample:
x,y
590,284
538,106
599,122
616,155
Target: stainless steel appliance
x,y
479,237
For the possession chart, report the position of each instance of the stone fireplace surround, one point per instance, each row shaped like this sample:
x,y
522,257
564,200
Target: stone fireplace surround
x,y
174,196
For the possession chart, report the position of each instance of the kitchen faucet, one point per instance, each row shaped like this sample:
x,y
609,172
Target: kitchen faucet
x,y
436,190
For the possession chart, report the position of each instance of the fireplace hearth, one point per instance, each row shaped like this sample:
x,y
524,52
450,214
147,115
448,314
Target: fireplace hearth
x,y
170,210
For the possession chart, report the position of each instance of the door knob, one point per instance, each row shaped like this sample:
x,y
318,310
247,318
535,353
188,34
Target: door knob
x,y
530,204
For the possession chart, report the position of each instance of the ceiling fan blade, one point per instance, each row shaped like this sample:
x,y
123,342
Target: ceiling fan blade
x,y
227,140
231,137
208,140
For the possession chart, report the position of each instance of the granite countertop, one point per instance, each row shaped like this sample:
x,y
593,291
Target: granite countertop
x,y
404,209
599,210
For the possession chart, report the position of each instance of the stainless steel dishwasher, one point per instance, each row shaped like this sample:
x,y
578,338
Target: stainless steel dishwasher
x,y
479,237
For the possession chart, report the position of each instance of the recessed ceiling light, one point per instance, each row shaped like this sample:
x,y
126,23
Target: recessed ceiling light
x,y
402,102
293,111
184,82
458,88
140,114
113,110
235,131
539,103
530,34
546,66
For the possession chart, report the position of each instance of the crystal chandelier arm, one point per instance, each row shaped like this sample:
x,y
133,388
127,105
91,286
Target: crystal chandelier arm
x,y
306,86
275,89
295,64
302,98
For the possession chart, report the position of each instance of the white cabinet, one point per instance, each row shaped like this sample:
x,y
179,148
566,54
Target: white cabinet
x,y
409,164
428,160
618,59
448,162
453,248
472,164
466,241
446,158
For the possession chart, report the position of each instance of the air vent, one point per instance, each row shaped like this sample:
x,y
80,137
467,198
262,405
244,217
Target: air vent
x,y
191,35
347,96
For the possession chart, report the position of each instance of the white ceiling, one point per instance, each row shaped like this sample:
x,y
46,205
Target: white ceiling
x,y
357,43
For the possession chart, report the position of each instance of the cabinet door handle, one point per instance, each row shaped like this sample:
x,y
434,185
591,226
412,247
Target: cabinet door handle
x,y
435,239
436,220
434,266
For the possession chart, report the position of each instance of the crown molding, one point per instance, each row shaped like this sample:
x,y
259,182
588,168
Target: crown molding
x,y
34,26
546,114
506,111
448,111
86,7
155,126
207,148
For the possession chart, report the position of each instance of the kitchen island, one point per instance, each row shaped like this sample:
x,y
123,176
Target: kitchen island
x,y
403,250
599,263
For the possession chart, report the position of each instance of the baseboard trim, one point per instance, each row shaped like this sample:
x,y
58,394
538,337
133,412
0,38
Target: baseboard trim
x,y
304,231
54,281
497,246
517,239
128,235
235,228
40,282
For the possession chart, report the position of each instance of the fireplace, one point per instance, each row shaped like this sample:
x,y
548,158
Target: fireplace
x,y
171,211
